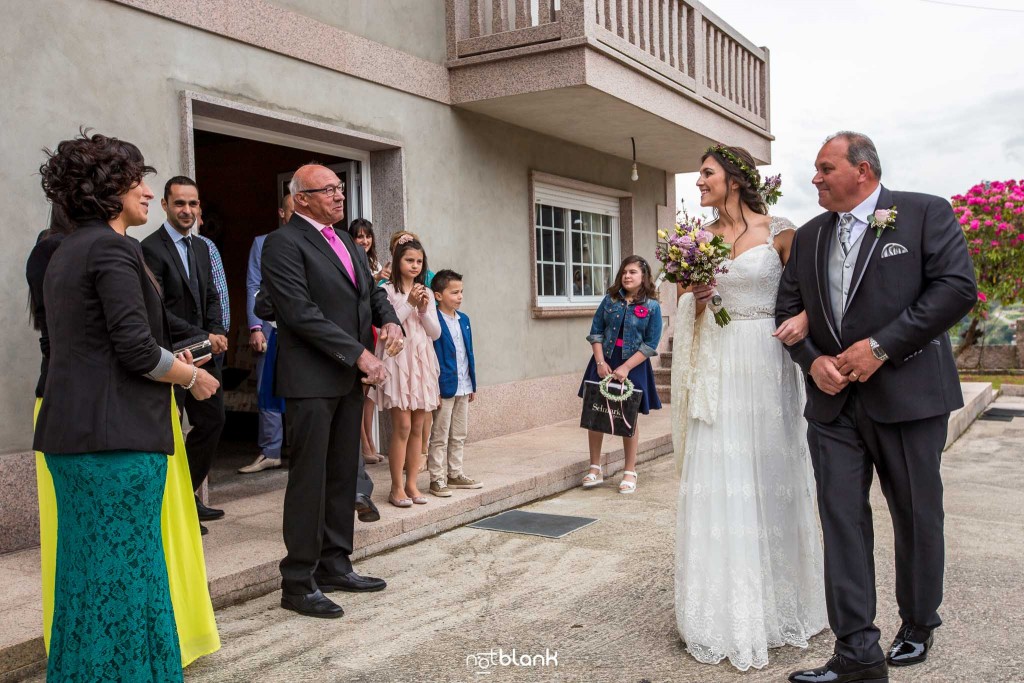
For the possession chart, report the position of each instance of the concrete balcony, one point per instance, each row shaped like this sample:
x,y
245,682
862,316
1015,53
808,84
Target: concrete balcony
x,y
596,72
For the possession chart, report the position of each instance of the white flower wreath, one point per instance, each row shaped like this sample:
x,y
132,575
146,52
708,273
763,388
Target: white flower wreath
x,y
626,384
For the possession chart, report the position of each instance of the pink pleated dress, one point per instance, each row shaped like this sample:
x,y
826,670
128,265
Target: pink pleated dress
x,y
412,374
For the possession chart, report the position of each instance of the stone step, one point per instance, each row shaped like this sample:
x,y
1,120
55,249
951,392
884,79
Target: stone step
x,y
663,375
665,359
244,548
664,392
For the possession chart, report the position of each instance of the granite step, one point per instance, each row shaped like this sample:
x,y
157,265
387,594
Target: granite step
x,y
243,549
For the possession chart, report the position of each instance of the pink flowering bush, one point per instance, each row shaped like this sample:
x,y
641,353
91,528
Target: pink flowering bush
x,y
992,218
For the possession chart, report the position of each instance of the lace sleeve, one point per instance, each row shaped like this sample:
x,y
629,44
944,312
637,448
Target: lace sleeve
x,y
779,224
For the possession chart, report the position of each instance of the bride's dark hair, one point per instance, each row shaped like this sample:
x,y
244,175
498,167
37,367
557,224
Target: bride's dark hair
x,y
739,166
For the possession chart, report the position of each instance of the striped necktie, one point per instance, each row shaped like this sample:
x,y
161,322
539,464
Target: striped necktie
x,y
844,232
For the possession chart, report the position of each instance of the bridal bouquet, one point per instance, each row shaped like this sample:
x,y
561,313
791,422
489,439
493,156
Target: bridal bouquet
x,y
691,255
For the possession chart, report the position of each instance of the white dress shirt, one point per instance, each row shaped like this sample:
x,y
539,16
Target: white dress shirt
x,y
861,214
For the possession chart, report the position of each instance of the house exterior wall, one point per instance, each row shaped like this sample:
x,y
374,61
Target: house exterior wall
x,y
413,26
121,71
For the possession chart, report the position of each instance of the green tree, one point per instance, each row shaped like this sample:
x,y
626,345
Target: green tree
x,y
992,217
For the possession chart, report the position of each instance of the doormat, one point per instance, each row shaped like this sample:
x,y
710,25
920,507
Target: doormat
x,y
533,523
1001,414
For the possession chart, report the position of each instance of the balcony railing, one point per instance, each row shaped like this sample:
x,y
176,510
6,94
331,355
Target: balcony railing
x,y
680,40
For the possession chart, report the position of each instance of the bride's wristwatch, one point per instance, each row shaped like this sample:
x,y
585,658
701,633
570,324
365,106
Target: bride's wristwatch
x,y
877,350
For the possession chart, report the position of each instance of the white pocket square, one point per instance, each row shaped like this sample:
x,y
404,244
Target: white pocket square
x,y
894,249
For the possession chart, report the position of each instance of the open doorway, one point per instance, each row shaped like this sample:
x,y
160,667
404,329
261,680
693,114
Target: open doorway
x,y
241,183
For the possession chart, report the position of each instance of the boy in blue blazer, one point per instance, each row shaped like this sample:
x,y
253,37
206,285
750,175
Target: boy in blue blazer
x,y
457,382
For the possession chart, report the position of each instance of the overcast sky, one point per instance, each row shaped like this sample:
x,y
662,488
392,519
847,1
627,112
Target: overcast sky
x,y
940,89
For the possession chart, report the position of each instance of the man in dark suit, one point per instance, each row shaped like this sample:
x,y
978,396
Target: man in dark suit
x,y
181,263
882,275
324,299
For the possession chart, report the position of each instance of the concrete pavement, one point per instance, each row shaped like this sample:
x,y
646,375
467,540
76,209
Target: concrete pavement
x,y
602,598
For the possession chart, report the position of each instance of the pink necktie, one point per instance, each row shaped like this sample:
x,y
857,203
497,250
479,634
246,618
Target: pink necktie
x,y
340,250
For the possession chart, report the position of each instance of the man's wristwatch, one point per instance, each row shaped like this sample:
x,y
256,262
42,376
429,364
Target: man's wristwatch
x,y
877,350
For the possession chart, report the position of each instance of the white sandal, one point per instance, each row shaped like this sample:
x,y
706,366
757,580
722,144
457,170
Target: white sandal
x,y
591,479
628,487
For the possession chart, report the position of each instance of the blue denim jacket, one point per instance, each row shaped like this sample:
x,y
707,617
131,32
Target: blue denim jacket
x,y
638,334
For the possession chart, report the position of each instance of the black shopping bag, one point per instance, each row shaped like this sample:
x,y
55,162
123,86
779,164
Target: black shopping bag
x,y
607,415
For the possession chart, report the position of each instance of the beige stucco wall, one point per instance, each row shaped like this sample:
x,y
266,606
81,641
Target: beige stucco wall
x,y
120,71
413,26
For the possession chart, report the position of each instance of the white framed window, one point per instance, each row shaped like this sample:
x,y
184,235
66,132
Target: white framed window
x,y
577,245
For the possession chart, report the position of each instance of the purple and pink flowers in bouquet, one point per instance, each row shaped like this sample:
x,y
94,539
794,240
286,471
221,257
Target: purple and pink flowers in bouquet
x,y
691,255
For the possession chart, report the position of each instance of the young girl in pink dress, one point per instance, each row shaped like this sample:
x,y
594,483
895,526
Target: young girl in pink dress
x,y
410,391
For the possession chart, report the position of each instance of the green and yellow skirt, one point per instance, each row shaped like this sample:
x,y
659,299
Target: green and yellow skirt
x,y
182,545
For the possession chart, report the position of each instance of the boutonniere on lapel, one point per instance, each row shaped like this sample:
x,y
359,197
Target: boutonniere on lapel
x,y
883,219
640,311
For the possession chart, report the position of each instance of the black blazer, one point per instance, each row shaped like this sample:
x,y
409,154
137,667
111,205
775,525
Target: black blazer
x,y
187,317
35,272
323,319
907,301
106,325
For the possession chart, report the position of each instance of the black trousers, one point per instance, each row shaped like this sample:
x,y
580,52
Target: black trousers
x,y
906,456
207,420
364,484
322,437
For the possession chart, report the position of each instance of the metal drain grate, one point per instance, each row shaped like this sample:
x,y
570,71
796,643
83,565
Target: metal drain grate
x,y
1001,414
533,523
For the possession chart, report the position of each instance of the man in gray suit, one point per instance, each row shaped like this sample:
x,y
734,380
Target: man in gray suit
x,y
883,275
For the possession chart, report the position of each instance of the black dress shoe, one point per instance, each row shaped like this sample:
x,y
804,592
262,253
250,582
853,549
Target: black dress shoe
x,y
910,646
207,514
365,509
839,669
351,583
312,605
203,530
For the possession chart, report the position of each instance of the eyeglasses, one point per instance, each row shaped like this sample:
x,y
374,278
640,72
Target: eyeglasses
x,y
330,191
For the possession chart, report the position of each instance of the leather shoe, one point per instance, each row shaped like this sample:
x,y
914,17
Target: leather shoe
x,y
312,605
910,646
365,509
203,530
839,669
207,514
350,583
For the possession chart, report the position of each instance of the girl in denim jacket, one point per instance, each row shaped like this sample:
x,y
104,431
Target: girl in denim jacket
x,y
625,335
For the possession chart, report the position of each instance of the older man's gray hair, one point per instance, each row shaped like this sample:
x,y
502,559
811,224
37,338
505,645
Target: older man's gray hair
x,y
861,149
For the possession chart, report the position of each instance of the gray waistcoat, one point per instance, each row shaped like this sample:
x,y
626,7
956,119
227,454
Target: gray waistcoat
x,y
840,276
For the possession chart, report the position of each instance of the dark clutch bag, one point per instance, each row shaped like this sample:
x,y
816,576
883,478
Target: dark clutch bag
x,y
611,417
199,345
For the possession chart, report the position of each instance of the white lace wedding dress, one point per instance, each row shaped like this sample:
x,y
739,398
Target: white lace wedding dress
x,y
749,572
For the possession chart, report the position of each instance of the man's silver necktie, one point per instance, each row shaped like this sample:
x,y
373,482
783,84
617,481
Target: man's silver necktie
x,y
844,231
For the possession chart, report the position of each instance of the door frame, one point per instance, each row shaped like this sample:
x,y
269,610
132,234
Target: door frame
x,y
238,130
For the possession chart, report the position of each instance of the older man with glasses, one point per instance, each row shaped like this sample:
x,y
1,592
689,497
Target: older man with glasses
x,y
318,287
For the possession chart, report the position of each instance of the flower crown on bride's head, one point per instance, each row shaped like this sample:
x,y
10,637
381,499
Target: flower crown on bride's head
x,y
768,190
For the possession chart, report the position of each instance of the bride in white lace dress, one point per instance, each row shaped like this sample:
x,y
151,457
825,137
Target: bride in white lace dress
x,y
749,572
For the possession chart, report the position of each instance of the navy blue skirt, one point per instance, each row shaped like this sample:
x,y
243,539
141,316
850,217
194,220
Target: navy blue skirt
x,y
642,377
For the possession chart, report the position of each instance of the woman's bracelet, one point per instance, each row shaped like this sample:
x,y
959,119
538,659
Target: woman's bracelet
x,y
601,362
195,374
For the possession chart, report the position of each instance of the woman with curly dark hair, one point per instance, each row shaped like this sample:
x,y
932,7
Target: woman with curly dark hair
x,y
104,423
